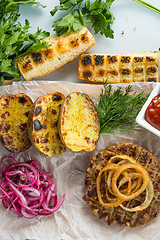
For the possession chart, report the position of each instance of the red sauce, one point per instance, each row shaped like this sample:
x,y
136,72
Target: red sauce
x,y
152,114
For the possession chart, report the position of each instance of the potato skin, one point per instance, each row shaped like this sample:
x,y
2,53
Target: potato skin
x,y
79,123
14,110
43,124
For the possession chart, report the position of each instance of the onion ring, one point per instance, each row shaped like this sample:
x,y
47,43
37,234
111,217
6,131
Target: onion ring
x,y
147,201
124,180
106,204
117,173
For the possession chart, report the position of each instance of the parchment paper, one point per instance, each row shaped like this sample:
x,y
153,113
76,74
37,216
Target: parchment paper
x,y
74,220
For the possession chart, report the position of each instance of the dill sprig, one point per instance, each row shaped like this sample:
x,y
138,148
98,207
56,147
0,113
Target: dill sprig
x,y
118,108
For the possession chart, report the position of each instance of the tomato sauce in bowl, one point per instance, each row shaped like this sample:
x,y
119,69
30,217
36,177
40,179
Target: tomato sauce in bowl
x,y
152,113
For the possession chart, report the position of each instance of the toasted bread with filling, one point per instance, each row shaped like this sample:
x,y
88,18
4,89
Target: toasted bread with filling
x,y
14,111
43,124
78,123
61,50
119,68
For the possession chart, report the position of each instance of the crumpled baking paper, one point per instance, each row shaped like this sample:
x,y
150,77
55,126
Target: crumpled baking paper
x,y
74,220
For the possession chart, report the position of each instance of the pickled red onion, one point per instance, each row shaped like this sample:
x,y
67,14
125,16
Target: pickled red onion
x,y
27,189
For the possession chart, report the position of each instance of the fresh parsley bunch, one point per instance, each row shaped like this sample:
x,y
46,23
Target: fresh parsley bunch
x,y
15,39
82,12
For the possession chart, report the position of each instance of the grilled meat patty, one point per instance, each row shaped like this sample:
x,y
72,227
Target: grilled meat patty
x,y
117,214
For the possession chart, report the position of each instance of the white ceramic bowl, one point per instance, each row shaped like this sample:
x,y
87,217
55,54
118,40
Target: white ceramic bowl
x,y
140,119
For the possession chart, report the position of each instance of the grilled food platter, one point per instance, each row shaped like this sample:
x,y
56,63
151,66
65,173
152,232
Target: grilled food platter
x,y
69,170
71,144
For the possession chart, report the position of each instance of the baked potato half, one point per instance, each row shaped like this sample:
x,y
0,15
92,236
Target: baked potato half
x,y
14,110
43,124
78,123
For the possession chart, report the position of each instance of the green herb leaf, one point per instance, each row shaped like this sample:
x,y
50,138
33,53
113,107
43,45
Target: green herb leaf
x,y
65,6
101,25
97,13
82,18
65,24
15,39
118,109
101,18
1,79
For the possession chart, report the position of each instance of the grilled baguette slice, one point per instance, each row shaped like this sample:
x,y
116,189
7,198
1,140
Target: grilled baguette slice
x,y
78,123
61,50
119,68
43,124
14,111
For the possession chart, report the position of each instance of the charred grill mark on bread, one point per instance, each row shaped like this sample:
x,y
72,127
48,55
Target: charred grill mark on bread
x,y
61,49
86,60
119,68
99,60
37,58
